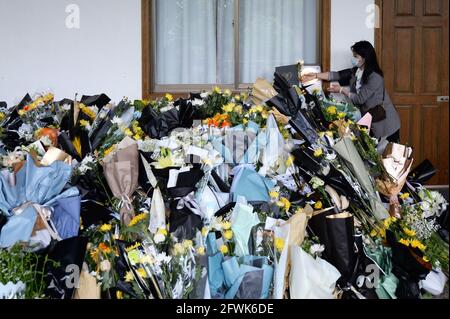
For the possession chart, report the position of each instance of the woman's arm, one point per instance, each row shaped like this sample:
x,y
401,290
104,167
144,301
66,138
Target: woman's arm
x,y
313,76
374,84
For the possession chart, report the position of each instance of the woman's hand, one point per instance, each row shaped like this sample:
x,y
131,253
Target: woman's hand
x,y
334,88
308,77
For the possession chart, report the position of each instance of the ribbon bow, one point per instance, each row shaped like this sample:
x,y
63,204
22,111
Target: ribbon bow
x,y
189,201
44,212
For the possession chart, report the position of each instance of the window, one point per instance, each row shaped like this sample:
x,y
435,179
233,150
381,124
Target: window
x,y
195,44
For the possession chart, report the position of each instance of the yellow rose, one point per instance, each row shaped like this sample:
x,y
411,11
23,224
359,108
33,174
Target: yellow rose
x,y
224,249
228,234
318,205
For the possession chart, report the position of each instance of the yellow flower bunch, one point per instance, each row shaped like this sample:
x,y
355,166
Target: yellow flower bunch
x,y
105,228
88,111
332,110
41,100
137,219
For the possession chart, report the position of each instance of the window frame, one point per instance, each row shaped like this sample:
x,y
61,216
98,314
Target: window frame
x,y
151,90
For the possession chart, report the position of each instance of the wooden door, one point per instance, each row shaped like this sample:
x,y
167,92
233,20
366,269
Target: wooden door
x,y
414,57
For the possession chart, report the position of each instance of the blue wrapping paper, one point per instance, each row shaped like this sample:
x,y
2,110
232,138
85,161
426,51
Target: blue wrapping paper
x,y
40,185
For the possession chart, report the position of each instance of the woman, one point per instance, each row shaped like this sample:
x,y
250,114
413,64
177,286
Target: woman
x,y
364,87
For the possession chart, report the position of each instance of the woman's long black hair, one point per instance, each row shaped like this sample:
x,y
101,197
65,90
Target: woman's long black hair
x,y
366,50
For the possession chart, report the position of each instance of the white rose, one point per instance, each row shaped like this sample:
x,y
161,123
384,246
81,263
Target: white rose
x,y
105,265
159,238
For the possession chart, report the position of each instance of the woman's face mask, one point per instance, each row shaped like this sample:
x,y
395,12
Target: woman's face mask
x,y
357,62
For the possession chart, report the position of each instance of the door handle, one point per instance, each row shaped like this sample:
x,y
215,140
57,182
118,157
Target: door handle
x,y
442,99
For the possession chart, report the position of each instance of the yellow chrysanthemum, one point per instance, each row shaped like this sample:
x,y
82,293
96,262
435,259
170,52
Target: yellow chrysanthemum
x,y
341,115
274,194
259,108
88,111
227,92
109,150
228,108
318,152
426,259
119,294
142,272
404,196
373,233
146,260
169,97
178,249
2,116
238,109
162,231
409,232
137,219
228,234
201,251
128,132
217,90
84,123
279,244
21,112
237,97
187,243
284,203
205,231
129,276
332,110
318,205
404,242
224,249
105,228
289,161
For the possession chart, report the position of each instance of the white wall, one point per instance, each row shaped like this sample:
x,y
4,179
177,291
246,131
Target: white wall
x,y
348,25
38,52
